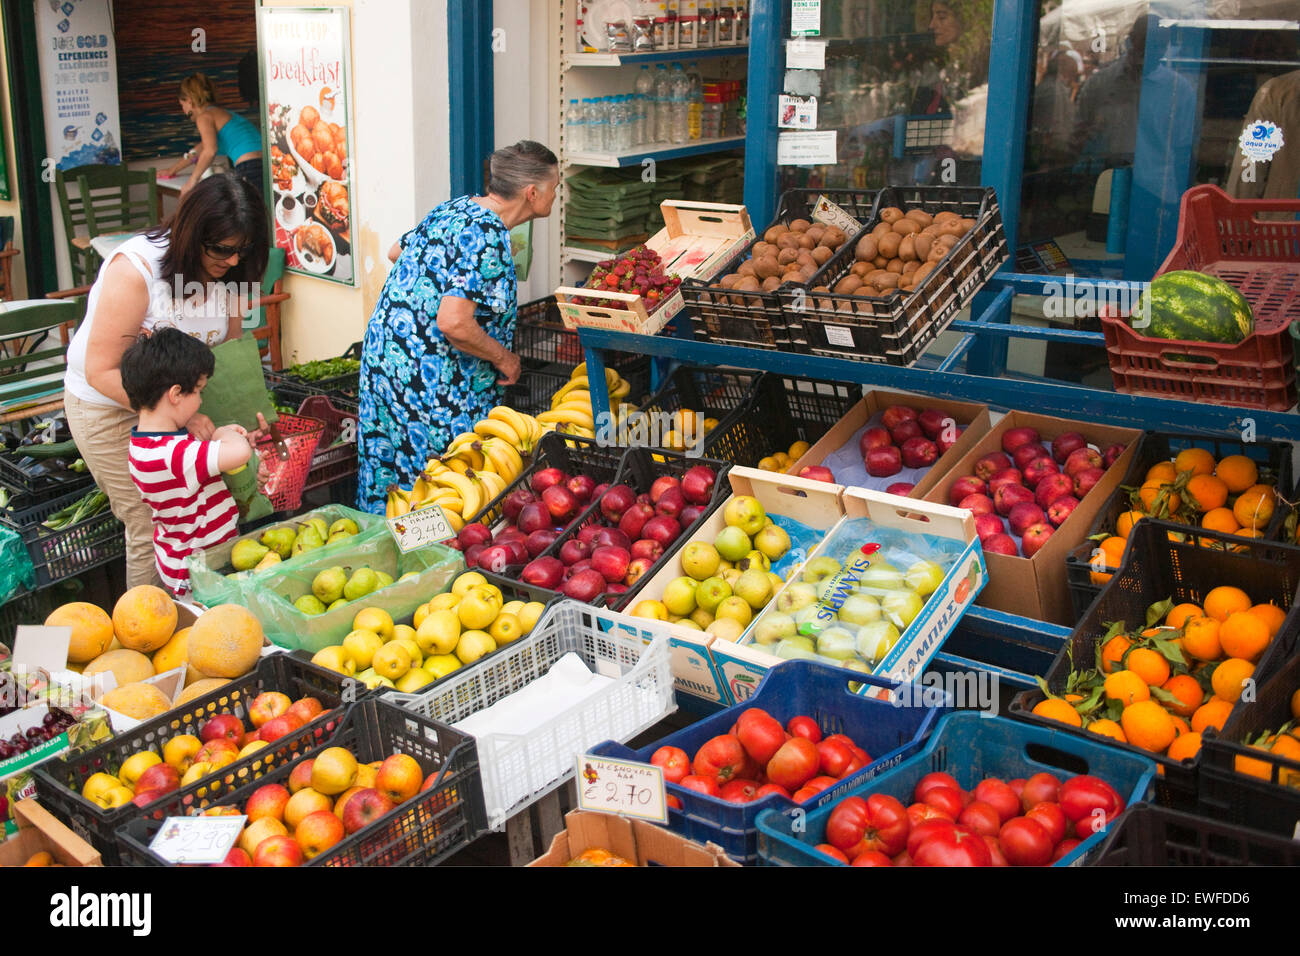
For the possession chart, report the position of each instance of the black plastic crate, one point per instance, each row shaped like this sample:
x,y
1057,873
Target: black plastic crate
x,y
1147,835
542,339
1268,801
1156,568
1272,458
725,394
896,328
762,319
60,779
423,831
26,491
788,410
58,555
532,393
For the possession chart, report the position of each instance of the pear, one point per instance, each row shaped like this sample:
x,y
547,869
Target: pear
x,y
337,536
308,540
270,559
345,525
247,553
309,604
329,584
362,582
280,540
339,603
321,527
385,579
408,576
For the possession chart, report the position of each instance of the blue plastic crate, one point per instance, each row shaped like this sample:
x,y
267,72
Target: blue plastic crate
x,y
887,732
970,747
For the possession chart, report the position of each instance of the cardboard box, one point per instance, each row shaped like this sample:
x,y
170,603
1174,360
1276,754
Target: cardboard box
x,y
744,663
38,830
973,416
697,240
634,840
814,503
1037,587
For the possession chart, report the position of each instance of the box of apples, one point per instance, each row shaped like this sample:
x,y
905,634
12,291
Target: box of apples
x,y
639,291
896,443
1034,484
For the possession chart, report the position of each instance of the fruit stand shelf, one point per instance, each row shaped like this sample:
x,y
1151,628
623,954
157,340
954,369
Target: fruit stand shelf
x,y
577,254
572,60
656,151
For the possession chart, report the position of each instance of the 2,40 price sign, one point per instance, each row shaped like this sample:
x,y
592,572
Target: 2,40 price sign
x,y
624,787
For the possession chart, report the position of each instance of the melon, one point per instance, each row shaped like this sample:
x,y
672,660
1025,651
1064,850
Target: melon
x,y
226,641
198,689
144,618
175,654
1192,307
127,666
92,630
137,700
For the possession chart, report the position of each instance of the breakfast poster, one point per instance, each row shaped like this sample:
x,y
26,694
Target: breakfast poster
x,y
306,77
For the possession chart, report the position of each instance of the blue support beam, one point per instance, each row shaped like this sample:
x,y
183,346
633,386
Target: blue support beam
x,y
765,81
469,74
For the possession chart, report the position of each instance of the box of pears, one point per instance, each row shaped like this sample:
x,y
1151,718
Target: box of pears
x,y
218,574
880,594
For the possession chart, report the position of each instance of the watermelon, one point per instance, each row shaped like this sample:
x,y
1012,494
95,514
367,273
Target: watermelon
x,y
1192,307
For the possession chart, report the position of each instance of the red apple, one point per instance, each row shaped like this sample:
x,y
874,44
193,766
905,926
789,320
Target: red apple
x,y
270,704
534,516
363,808
612,563
1034,538
1086,480
691,514
561,503
697,484
1008,496
895,415
278,851
268,800
588,532
1038,469
1051,488
1023,515
817,473
236,857
987,525
584,586
905,430
901,488
544,572
539,541
161,778
581,487
615,501
663,529
1060,509
933,422
278,727
646,548
305,710
1027,453
222,725
573,551
977,504
514,502
1063,445
577,566
637,567
1111,454
662,484
999,544
920,453
1007,476
1082,458
964,486
1013,438
946,440
548,478
883,462
472,553
611,538
671,502
495,558
634,519
874,438
644,499
320,830
991,464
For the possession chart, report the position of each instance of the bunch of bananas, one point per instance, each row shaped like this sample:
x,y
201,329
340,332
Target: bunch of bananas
x,y
571,410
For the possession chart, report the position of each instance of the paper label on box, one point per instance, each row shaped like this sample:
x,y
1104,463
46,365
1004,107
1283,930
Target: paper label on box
x,y
624,787
828,212
806,148
839,335
197,839
797,112
802,53
37,647
805,18
419,529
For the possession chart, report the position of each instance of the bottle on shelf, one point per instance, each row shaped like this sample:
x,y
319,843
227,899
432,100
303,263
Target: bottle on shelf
x,y
679,118
662,104
696,102
645,91
575,128
620,125
597,125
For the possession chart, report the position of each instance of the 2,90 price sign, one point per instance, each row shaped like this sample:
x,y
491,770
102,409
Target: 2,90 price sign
x,y
631,789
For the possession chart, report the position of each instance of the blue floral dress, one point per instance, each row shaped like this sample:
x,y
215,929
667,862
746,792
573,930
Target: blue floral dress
x,y
417,391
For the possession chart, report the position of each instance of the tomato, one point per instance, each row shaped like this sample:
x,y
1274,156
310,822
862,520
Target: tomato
x,y
768,789
952,847
854,766
1018,785
922,831
834,853
673,802
876,823
845,739
999,796
862,755
903,859
847,822
739,791
821,782
1090,804
705,785
834,758
931,780
794,764
981,817
1025,842
1064,848
872,858
802,726
1040,788
722,757
946,799
1052,819
920,812
760,735
750,712
675,762
803,794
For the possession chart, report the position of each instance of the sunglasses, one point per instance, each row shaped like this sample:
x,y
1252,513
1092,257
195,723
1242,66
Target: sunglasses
x,y
225,252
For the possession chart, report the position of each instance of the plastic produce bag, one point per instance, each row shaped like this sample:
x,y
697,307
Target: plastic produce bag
x,y
210,570
271,594
803,541
16,571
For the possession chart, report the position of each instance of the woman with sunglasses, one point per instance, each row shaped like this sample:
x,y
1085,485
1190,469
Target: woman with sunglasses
x,y
196,272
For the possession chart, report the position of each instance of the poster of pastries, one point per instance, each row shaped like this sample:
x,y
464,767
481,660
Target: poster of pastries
x,y
306,89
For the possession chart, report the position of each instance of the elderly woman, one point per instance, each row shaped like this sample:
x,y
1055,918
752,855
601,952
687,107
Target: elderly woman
x,y
437,350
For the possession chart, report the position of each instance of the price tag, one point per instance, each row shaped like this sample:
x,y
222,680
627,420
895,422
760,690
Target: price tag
x,y
839,335
197,839
606,785
419,529
805,18
796,112
833,215
806,149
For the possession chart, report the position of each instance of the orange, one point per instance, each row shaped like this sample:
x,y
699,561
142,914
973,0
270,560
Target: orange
x,y
1053,708
1220,519
1247,533
1271,615
1252,767
1230,677
1254,506
1208,492
1185,747
1196,460
1151,490
1243,635
1148,725
1286,746
1162,471
1182,726
1180,614
1201,639
1113,653
40,858
1127,687
1109,554
1187,690
1212,713
1108,728
1150,665
1125,522
1237,472
1226,600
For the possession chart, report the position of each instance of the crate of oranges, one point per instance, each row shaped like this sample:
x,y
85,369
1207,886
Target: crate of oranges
x,y
1234,487
1251,767
1165,652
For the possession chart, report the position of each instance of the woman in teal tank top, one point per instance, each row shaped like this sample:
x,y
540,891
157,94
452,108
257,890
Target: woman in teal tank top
x,y
222,133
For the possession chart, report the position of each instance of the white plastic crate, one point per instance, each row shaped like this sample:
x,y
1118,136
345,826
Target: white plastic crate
x,y
520,769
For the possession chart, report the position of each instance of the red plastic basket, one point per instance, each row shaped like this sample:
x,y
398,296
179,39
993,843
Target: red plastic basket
x,y
331,462
1227,238
287,477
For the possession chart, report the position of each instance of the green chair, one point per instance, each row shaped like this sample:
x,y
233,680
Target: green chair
x,y
264,321
7,253
31,365
99,198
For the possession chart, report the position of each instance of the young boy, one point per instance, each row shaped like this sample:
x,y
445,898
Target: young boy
x,y
179,476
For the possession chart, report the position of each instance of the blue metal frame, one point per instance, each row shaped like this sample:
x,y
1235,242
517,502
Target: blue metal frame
x,y
765,82
469,75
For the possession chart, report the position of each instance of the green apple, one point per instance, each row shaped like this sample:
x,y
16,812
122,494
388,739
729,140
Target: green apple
x,y
754,560
754,588
732,543
820,567
772,541
876,639
735,607
773,627
745,512
797,596
837,643
924,577
726,628
859,609
795,648
700,560
902,607
710,593
679,596
881,579
700,616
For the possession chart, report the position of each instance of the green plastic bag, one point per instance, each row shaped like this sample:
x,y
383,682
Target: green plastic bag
x,y
237,390
271,594
209,570
521,249
16,571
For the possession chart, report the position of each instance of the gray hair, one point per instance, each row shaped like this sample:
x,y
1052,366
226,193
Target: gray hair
x,y
512,169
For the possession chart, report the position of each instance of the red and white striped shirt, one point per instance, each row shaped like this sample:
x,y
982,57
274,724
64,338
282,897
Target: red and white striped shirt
x,y
178,478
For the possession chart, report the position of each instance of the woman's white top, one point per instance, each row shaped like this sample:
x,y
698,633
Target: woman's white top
x,y
206,320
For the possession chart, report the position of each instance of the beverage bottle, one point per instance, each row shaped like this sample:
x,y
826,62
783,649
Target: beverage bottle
x,y
620,124
663,103
598,130
645,89
696,102
575,127
680,114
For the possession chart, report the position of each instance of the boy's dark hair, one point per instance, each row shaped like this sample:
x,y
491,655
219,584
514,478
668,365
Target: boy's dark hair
x,y
154,363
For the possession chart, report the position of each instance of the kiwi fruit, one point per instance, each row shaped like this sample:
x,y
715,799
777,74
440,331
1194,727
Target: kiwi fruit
x,y
883,280
788,240
822,303
881,229
746,284
746,268
729,281
770,284
833,237
800,225
817,230
923,270
821,254
910,267
967,225
889,244
767,266
920,215
905,226
891,214
866,249
762,249
806,241
786,256
774,233
907,248
951,228
880,261
805,258
861,268
895,266
921,245
944,216
848,285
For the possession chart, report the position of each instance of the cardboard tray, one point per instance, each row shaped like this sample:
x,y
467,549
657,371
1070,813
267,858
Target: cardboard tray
x,y
634,840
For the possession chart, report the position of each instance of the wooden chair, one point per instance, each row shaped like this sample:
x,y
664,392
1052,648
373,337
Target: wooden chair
x,y
266,329
98,198
31,365
7,253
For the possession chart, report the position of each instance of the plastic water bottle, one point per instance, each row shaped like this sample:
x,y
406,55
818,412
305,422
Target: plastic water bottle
x,y
645,91
696,101
597,126
680,114
663,104
620,124
575,127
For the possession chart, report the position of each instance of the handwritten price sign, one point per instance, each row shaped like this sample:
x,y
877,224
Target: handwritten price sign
x,y
630,789
197,839
419,529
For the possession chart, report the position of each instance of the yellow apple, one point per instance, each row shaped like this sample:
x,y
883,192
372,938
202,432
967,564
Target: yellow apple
x,y
412,648
335,658
361,646
654,610
414,679
440,665
135,765
438,632
505,628
479,607
473,645
464,582
392,661
374,619
97,785
529,614
444,602
333,771
259,830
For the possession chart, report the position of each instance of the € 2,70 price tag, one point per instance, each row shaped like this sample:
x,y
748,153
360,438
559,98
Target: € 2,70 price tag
x,y
419,529
624,787
197,839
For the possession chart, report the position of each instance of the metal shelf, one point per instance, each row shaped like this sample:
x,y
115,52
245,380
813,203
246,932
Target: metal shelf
x,y
656,151
572,60
576,254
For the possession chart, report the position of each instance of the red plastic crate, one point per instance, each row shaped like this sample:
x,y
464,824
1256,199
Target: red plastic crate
x,y
1227,238
287,477
331,462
